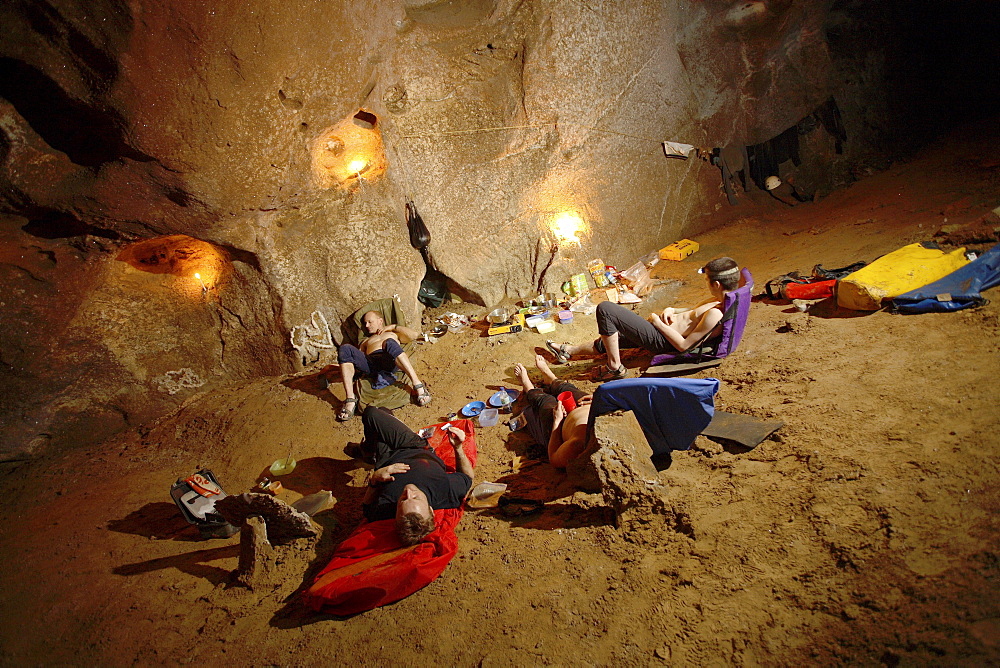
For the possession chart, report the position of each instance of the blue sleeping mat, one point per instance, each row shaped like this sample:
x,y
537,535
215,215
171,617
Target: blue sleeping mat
x,y
961,287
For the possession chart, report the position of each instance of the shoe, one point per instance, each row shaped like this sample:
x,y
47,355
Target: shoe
x,y
559,352
604,373
514,506
347,409
423,396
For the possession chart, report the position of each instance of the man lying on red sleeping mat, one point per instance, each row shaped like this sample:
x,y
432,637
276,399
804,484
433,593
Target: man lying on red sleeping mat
x,y
413,503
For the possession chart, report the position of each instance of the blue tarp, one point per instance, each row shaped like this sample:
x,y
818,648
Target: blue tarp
x,y
671,411
963,285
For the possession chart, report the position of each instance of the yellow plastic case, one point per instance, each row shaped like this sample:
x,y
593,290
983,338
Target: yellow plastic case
x,y
679,250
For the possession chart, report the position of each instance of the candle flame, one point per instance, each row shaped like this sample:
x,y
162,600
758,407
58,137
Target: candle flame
x,y
197,275
357,165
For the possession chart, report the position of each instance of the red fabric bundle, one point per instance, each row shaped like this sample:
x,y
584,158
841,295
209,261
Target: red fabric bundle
x,y
817,290
371,567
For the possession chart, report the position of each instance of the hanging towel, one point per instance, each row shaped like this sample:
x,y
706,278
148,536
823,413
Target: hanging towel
x,y
673,149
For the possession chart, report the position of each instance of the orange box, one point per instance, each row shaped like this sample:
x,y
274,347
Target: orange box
x,y
679,250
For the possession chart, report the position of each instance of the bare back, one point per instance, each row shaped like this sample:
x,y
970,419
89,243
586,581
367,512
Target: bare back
x,y
573,432
576,422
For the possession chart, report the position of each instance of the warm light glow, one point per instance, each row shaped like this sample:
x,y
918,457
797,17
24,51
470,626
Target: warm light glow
x,y
197,264
566,227
345,154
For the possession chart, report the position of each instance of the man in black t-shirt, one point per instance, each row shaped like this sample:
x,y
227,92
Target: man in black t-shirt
x,y
410,481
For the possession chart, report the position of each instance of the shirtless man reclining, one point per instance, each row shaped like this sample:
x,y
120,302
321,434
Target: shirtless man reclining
x,y
676,330
379,356
564,435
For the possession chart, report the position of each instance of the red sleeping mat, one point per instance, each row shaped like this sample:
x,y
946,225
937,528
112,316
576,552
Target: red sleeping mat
x,y
372,568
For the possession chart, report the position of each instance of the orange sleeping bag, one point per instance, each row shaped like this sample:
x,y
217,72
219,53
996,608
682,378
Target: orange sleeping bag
x,y
372,568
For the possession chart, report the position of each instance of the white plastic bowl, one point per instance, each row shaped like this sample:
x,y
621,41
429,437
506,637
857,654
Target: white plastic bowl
x,y
489,417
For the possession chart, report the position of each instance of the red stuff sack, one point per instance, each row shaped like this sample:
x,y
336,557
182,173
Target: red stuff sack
x,y
818,290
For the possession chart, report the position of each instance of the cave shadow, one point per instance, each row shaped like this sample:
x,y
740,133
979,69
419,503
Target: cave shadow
x,y
732,447
57,117
537,480
192,563
552,515
314,474
315,384
482,327
157,520
58,225
828,309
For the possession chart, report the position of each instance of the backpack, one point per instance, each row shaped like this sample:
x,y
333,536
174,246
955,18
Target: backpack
x,y
433,289
786,285
195,496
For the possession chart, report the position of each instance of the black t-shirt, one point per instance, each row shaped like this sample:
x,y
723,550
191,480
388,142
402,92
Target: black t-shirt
x,y
427,472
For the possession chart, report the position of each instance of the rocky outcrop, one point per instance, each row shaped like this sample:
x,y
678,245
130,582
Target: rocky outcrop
x,y
617,464
291,137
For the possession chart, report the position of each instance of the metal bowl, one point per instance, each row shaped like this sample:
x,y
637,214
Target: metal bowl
x,y
498,316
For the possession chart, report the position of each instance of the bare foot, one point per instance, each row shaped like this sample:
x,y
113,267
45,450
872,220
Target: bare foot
x,y
543,366
522,375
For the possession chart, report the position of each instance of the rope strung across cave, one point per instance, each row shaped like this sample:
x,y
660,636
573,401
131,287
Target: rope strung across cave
x,y
453,133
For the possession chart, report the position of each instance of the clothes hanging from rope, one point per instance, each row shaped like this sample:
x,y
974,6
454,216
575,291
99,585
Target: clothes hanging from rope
x,y
763,159
828,114
731,161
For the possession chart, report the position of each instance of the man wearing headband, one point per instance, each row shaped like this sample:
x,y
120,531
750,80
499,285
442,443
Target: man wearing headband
x,y
676,330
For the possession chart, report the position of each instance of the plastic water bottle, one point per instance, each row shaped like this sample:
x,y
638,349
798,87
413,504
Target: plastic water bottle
x,y
505,400
314,503
518,422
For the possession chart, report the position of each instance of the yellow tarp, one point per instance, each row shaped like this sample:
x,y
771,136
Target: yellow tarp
x,y
900,271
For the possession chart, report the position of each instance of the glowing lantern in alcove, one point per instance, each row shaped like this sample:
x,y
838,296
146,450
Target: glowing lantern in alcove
x,y
349,152
199,265
567,227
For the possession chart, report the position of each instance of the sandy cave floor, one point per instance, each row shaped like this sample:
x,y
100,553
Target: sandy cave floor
x,y
866,531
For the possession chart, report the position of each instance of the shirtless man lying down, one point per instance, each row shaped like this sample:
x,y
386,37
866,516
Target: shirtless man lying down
x,y
379,355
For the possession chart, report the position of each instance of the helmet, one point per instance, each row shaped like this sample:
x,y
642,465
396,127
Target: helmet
x,y
772,182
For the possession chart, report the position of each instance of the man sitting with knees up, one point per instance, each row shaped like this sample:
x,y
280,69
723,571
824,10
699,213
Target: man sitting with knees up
x,y
675,330
409,481
562,433
379,356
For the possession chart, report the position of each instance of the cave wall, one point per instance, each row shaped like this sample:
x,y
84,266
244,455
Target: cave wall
x,y
122,121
